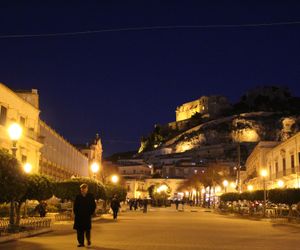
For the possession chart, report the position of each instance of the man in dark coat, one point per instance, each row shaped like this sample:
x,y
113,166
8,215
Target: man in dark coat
x,y
84,208
115,206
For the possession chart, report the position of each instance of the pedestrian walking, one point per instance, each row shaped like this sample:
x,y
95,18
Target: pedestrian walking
x,y
115,206
145,204
84,208
131,204
177,203
135,204
41,208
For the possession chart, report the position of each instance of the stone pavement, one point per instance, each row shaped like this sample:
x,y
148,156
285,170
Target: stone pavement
x,y
163,229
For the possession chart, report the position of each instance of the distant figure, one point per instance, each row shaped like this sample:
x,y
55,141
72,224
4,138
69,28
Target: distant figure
x,y
41,208
131,204
177,203
135,204
84,208
145,204
115,206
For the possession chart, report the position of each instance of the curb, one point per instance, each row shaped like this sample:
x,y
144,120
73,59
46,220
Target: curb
x,y
17,236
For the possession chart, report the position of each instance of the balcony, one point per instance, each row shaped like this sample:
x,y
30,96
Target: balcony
x,y
30,133
283,173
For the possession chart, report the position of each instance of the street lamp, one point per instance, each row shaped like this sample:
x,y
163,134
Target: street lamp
x,y
280,184
225,184
250,188
95,168
264,174
15,133
115,179
27,168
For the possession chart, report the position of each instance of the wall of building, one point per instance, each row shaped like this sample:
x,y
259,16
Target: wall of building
x,y
139,189
93,151
281,162
211,105
60,159
20,111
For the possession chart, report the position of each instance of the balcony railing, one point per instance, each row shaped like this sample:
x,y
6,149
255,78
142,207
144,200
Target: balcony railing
x,y
283,173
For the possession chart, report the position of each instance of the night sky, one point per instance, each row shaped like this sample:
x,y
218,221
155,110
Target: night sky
x,y
121,83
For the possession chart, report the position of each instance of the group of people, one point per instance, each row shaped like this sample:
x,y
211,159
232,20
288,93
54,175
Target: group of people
x,y
84,208
138,203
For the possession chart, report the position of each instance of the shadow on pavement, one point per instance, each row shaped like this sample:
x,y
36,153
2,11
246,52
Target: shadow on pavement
x,y
103,221
101,248
17,245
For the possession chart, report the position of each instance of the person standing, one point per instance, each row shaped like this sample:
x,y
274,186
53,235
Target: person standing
x,y
115,206
145,203
84,208
176,203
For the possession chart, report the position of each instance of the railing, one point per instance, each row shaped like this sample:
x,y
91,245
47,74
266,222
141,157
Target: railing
x,y
282,173
65,216
32,223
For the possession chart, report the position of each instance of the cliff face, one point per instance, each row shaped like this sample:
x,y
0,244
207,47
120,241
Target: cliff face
x,y
246,128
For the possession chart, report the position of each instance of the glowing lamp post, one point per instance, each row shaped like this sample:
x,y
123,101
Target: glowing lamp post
x,y
280,184
225,184
95,168
115,179
15,133
27,168
250,188
264,174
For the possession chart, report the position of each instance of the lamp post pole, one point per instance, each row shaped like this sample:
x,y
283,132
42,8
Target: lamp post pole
x,y
15,133
265,196
264,174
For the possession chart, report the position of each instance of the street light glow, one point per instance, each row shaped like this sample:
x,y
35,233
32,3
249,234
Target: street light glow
x,y
27,168
95,167
225,183
15,131
250,188
280,183
115,178
264,173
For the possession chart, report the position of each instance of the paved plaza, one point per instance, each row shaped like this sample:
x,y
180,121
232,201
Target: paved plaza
x,y
164,229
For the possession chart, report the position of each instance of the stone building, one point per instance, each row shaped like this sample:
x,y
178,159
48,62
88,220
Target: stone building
x,y
139,188
281,160
205,105
60,159
93,151
134,169
21,107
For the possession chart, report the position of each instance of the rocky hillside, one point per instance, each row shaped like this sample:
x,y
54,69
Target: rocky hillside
x,y
262,114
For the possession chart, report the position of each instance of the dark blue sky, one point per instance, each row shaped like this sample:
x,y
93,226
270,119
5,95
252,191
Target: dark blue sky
x,y
121,83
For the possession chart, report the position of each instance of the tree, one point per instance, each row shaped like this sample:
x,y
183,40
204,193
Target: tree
x,y
113,189
67,190
212,176
159,193
38,187
12,182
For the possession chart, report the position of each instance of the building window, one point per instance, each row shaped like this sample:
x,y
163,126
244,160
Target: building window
x,y
134,171
293,163
24,158
276,169
22,121
3,113
284,166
